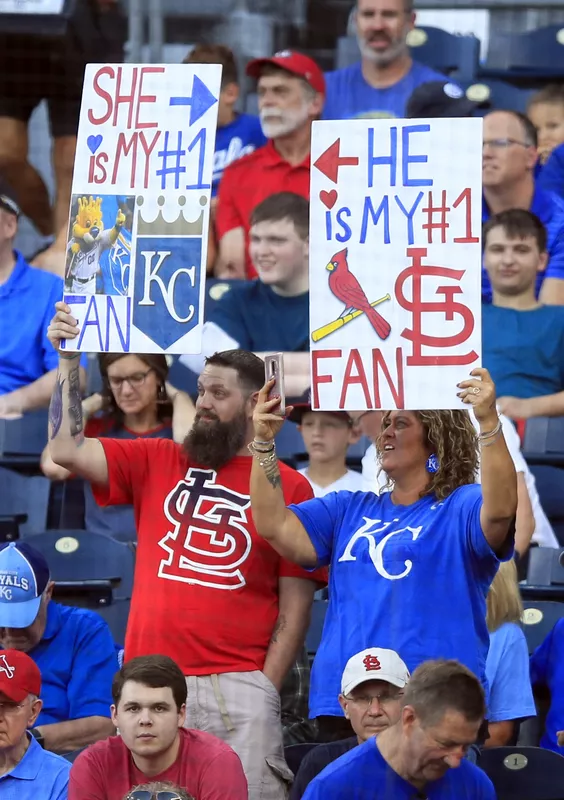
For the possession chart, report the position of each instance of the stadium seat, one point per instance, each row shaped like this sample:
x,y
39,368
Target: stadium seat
x,y
545,575
539,618
25,499
182,378
290,445
550,486
537,53
72,755
491,94
295,753
454,55
543,441
22,440
524,773
313,636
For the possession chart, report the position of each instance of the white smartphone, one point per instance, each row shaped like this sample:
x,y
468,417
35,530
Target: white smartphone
x,y
274,368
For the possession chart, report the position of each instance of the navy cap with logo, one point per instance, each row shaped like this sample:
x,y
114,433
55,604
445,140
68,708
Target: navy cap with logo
x,y
24,575
8,198
439,99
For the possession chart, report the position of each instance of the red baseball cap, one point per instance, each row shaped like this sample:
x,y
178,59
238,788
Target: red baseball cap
x,y
296,63
19,675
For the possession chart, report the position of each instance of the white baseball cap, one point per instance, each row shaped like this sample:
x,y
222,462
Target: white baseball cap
x,y
374,664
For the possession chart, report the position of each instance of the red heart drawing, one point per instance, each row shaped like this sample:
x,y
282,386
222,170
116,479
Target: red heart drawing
x,y
328,198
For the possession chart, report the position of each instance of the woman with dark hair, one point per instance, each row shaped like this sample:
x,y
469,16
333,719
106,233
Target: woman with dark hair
x,y
410,568
135,401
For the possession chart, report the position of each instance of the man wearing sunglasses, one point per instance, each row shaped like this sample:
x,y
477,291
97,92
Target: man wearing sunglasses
x,y
371,689
26,770
149,711
508,162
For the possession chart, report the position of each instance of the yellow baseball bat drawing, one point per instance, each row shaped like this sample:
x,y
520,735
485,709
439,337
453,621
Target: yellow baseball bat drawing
x,y
331,327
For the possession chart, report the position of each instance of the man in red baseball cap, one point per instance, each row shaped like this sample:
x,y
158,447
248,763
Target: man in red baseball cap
x,y
26,770
291,93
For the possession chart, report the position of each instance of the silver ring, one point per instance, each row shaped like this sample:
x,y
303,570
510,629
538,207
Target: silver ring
x,y
475,390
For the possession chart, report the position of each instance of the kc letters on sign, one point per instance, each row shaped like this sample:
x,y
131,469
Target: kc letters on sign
x,y
138,228
395,262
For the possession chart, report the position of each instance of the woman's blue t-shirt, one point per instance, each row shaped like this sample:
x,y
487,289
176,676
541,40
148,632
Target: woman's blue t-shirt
x,y
413,579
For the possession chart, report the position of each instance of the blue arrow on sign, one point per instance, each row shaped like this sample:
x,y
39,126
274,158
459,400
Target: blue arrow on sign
x,y
200,101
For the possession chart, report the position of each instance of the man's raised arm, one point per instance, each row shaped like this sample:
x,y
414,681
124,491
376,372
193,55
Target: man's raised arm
x,y
68,446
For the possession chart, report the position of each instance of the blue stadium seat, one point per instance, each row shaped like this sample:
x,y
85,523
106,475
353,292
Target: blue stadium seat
x,y
492,94
545,575
22,496
313,636
290,445
22,440
524,773
295,753
539,618
543,442
537,53
452,54
550,486
72,755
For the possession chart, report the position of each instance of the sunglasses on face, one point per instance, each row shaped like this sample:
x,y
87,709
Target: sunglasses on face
x,y
162,794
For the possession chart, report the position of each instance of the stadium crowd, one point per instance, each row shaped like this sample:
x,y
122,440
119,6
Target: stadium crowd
x,y
422,662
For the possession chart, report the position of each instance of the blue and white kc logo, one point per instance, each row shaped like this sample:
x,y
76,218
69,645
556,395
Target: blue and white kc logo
x,y
167,287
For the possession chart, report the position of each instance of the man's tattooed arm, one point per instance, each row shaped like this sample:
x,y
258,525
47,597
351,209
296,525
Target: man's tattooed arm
x,y
75,406
272,472
56,407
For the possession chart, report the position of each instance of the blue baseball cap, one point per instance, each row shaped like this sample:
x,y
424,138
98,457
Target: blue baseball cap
x,y
24,574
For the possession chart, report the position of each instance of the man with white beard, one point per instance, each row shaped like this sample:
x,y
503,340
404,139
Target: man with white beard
x,y
291,92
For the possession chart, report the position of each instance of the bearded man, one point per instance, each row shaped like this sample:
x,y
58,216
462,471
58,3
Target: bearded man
x,y
291,93
208,591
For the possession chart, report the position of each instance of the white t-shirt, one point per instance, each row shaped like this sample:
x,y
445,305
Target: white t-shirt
x,y
351,481
543,536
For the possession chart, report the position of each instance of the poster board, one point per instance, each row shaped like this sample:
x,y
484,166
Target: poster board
x,y
139,216
395,262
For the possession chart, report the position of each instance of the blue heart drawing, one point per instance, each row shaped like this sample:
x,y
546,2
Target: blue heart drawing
x,y
94,142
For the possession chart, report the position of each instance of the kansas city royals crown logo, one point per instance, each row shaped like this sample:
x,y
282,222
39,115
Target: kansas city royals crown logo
x,y
179,226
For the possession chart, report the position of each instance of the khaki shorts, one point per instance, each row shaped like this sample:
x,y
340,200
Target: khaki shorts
x,y
243,709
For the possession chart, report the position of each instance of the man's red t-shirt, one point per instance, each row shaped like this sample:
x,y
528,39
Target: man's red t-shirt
x,y
250,180
206,767
206,584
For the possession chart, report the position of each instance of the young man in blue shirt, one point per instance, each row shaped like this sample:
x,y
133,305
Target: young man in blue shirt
x,y
28,363
380,84
270,313
523,340
509,159
72,647
27,772
422,755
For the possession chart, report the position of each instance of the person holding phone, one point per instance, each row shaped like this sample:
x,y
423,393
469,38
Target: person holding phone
x,y
410,568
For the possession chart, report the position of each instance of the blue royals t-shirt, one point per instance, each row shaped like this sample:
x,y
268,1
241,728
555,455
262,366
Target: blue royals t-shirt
x,y
413,579
363,774
349,96
233,141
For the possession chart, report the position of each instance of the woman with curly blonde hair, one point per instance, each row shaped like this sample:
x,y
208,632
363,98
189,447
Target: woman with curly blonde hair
x,y
410,568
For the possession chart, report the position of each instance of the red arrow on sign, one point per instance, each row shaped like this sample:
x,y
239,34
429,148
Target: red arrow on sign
x,y
329,162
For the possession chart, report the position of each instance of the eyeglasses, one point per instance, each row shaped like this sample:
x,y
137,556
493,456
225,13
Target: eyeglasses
x,y
144,794
10,709
365,700
503,144
135,381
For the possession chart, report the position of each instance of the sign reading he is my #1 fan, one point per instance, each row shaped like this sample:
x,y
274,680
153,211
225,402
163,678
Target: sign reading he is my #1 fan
x,y
139,217
395,262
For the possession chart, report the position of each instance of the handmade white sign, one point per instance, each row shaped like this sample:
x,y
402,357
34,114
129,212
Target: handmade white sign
x,y
139,216
395,262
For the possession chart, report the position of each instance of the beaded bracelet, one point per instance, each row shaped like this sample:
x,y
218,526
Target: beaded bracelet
x,y
270,455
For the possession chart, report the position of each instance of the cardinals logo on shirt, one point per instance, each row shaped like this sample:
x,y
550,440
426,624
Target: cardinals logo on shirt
x,y
346,288
209,540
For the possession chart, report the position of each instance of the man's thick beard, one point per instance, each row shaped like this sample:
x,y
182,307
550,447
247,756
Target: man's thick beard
x,y
213,444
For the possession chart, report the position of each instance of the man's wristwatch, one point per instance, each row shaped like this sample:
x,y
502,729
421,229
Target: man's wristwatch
x,y
36,733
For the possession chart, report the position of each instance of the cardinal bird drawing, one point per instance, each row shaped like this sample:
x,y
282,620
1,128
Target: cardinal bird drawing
x,y
348,290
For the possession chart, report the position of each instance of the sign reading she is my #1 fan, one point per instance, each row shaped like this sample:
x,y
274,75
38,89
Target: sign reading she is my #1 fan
x,y
138,229
395,262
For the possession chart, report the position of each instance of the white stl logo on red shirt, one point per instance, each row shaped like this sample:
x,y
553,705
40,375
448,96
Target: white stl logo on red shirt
x,y
209,541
